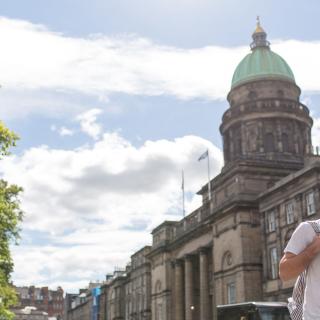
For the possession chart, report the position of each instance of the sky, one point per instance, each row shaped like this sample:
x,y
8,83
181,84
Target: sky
x,y
112,99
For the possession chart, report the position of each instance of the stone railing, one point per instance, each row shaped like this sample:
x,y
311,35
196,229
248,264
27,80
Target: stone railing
x,y
268,104
198,217
192,221
160,243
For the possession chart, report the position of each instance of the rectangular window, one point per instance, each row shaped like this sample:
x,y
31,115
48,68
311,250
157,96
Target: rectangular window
x,y
231,290
274,261
311,208
290,212
271,221
159,312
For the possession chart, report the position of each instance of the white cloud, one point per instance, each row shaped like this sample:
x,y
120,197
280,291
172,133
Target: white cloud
x,y
99,202
63,131
101,65
88,123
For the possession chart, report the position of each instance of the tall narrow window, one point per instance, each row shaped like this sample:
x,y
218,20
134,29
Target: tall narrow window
x,y
231,290
290,212
159,311
311,208
274,261
238,147
269,142
285,142
271,221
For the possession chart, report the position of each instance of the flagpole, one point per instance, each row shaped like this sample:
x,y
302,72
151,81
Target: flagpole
x,y
203,156
209,184
183,196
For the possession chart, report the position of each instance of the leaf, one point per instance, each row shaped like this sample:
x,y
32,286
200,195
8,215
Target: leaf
x,y
10,218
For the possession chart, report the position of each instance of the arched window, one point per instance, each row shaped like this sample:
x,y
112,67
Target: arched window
x,y
238,146
285,142
226,146
269,142
237,140
299,146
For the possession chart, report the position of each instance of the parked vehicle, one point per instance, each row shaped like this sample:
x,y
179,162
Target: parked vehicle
x,y
254,311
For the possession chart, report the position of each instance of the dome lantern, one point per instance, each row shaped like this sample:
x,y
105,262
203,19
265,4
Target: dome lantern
x,y
259,37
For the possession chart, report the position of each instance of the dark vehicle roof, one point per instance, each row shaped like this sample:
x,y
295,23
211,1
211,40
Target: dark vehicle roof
x,y
254,303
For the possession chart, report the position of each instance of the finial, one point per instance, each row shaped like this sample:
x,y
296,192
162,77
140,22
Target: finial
x,y
259,36
258,28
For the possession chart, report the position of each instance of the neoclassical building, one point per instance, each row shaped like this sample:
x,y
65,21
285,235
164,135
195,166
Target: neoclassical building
x,y
228,250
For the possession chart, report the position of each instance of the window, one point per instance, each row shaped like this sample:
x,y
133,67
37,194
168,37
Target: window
x,y
231,290
274,263
159,311
311,208
290,212
269,143
271,221
238,146
285,142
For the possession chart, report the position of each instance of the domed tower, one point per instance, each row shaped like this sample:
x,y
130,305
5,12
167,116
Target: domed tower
x,y
266,120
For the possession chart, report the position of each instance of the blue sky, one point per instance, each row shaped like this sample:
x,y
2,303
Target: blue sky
x,y
182,23
112,99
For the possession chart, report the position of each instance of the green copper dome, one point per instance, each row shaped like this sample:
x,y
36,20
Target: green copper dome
x,y
261,62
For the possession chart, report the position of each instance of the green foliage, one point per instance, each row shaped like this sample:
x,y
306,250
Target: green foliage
x,y
8,298
10,217
7,139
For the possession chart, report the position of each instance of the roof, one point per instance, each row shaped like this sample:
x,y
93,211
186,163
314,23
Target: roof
x,y
259,64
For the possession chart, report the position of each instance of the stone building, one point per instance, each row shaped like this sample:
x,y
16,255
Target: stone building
x,y
115,296
86,305
289,202
126,294
82,310
228,250
43,299
138,287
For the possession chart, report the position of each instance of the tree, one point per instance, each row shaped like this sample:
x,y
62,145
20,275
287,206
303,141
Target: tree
x,y
10,217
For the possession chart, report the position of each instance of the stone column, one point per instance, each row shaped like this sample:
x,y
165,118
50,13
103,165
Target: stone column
x,y
179,305
214,299
189,304
204,284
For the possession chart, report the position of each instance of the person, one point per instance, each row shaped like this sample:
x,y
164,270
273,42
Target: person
x,y
302,252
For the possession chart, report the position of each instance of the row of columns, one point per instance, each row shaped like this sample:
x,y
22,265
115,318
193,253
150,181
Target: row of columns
x,y
184,299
